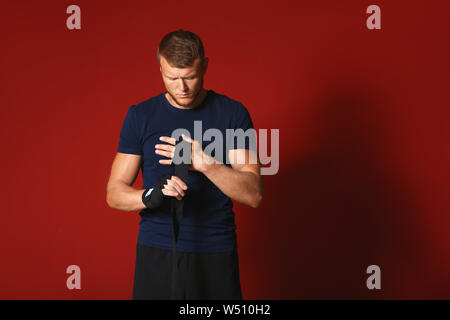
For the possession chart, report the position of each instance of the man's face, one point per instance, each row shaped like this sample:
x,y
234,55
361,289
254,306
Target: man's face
x,y
183,84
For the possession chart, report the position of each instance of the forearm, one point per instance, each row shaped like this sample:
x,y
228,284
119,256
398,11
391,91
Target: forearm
x,y
242,186
123,197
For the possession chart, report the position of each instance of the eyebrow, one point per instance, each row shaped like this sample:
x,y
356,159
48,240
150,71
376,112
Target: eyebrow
x,y
189,76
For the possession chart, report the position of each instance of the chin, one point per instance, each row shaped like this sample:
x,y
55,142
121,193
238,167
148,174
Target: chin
x,y
185,101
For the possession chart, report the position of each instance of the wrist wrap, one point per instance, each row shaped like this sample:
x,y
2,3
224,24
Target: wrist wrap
x,y
153,197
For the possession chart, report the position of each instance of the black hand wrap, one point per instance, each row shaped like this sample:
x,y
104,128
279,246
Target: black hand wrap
x,y
181,163
156,198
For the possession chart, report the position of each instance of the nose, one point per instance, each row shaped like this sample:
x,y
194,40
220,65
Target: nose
x,y
183,85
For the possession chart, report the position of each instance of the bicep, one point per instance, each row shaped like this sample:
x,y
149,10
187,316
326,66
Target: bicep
x,y
125,168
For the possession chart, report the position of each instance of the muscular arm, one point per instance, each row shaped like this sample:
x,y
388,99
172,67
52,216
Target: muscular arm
x,y
242,182
120,194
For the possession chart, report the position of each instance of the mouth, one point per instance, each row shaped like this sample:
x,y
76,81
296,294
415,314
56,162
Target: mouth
x,y
184,96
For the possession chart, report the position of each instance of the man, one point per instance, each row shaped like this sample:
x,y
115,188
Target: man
x,y
206,256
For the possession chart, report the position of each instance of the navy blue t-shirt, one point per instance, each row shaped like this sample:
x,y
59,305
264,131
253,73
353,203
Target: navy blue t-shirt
x,y
208,223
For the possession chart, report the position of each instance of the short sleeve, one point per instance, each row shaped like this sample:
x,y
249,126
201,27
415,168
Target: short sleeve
x,y
129,139
244,135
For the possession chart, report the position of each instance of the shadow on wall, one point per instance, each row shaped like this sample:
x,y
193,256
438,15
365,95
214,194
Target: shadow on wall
x,y
344,209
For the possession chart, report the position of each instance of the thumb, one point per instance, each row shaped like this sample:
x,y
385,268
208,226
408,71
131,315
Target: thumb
x,y
186,138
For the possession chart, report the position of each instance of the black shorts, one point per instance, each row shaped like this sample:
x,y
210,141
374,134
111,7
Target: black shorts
x,y
201,275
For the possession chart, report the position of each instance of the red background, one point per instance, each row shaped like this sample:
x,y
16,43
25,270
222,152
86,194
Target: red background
x,y
364,130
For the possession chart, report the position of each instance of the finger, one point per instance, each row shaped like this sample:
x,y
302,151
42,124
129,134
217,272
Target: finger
x,y
165,147
175,185
173,190
180,182
165,162
165,153
168,140
171,193
175,193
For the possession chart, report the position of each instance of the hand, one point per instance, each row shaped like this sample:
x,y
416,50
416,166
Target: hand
x,y
199,160
166,150
174,188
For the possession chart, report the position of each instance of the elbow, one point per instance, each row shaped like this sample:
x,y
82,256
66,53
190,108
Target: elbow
x,y
110,200
256,200
257,196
